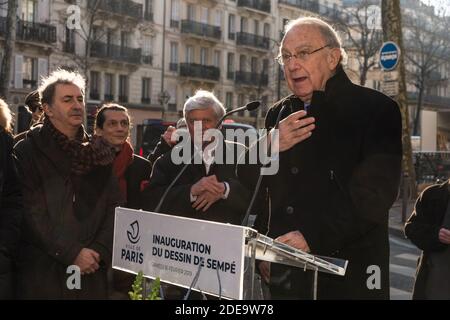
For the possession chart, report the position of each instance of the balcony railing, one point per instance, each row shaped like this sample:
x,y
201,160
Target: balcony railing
x,y
147,59
115,52
173,66
307,5
261,5
200,29
122,7
174,23
251,78
252,40
199,71
230,75
314,6
109,97
31,31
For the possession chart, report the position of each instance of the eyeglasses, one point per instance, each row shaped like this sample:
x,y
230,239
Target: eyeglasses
x,y
301,55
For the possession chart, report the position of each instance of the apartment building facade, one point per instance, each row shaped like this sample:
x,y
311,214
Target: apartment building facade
x,y
150,55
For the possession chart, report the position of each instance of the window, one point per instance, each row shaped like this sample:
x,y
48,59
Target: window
x,y
29,72
244,24
148,6
204,56
216,61
190,12
256,27
109,37
175,14
29,10
265,67
123,88
218,20
69,44
229,100
254,65
147,45
109,86
231,26
94,84
241,103
148,10
230,65
124,39
146,90
189,54
173,66
204,15
242,63
266,30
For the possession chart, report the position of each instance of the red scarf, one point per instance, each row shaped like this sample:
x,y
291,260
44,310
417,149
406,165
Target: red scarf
x,y
123,159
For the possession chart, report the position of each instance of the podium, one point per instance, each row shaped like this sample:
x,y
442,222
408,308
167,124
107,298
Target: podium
x,y
215,258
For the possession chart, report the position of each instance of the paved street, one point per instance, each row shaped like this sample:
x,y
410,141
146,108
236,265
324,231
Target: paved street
x,y
402,267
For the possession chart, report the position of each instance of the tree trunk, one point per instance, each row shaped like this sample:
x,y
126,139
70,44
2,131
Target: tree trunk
x,y
392,30
10,39
418,109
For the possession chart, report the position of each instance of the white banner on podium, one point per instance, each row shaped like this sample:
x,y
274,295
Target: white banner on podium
x,y
173,249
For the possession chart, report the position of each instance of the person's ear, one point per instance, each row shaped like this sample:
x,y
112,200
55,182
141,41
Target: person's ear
x,y
333,58
47,110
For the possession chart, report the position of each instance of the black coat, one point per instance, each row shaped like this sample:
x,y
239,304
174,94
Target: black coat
x,y
422,228
138,171
178,202
63,214
11,210
337,186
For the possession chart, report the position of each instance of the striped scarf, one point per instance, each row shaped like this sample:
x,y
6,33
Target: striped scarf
x,y
85,154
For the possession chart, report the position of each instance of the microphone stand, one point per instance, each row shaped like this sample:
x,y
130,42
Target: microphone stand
x,y
260,176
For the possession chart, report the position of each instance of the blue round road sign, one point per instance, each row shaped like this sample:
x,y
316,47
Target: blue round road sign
x,y
389,55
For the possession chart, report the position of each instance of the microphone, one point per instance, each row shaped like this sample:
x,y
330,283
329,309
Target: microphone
x,y
253,105
245,221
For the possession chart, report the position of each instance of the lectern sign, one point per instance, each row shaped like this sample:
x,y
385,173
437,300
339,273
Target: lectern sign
x,y
181,251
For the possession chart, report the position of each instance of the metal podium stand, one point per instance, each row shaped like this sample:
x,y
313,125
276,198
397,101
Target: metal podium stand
x,y
264,248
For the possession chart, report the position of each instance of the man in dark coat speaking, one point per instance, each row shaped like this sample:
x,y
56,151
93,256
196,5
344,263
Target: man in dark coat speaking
x,y
340,157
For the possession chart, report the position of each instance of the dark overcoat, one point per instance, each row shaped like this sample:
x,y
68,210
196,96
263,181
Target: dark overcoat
x,y
137,172
10,215
178,201
63,214
422,228
337,186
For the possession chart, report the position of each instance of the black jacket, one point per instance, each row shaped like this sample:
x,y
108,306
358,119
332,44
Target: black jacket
x,y
10,214
138,171
63,214
178,202
422,228
337,186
